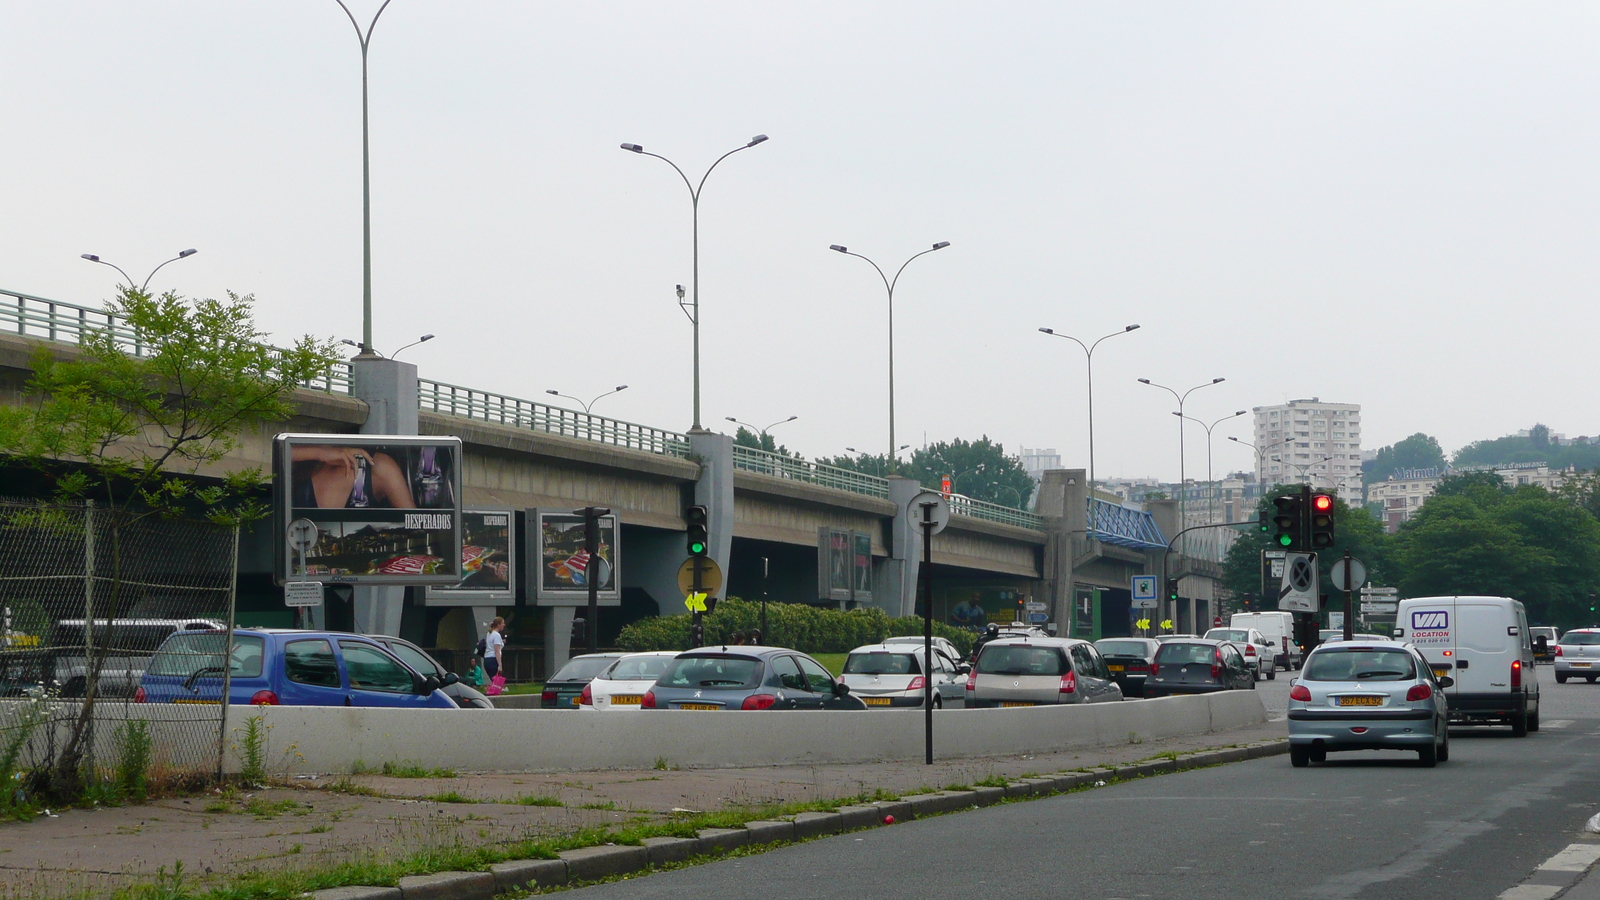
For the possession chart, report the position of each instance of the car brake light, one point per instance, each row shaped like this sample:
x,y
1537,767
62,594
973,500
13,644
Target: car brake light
x,y
918,683
1558,649
586,696
547,697
1216,667
1300,692
263,698
1069,683
138,695
1516,673
758,701
972,680
1418,692
649,701
1249,649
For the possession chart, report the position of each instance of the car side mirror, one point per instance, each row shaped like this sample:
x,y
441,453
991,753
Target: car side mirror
x,y
449,679
963,669
1446,681
840,689
427,684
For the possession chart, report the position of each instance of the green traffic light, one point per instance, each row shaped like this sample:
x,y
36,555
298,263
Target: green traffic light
x,y
1285,539
697,548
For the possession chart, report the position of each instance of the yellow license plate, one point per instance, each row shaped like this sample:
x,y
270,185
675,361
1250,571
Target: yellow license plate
x,y
627,699
1440,671
1011,703
698,706
1360,701
1114,668
875,701
1580,665
201,702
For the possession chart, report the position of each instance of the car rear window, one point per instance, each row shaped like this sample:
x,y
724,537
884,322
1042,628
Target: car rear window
x,y
881,662
583,669
1021,660
1360,664
639,668
1121,648
1228,634
1580,638
185,654
714,672
1179,654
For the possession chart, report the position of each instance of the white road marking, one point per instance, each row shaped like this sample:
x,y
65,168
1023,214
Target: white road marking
x,y
1555,723
1576,858
1530,892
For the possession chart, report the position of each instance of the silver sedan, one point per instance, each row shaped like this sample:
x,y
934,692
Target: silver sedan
x,y
1368,696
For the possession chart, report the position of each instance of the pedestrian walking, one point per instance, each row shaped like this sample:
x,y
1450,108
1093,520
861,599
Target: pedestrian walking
x,y
494,648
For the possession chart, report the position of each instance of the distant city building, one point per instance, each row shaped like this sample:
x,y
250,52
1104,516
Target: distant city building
x,y
1403,493
1036,462
1308,441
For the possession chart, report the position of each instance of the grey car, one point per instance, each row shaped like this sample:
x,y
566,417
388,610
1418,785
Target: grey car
x,y
1577,655
465,695
1130,660
894,675
1368,696
716,679
1039,671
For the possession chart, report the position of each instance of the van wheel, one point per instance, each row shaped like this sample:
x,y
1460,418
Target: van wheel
x,y
1272,673
1533,721
1519,723
1561,678
1299,757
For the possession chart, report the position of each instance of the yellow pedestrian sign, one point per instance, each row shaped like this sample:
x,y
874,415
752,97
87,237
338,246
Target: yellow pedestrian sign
x,y
695,602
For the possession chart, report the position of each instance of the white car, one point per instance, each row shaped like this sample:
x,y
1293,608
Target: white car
x,y
1260,656
623,684
939,643
894,675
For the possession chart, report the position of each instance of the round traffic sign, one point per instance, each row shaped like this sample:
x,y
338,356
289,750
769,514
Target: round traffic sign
x,y
1216,621
1348,579
929,507
302,534
710,575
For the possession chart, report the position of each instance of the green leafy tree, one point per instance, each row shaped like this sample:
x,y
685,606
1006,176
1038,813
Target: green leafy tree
x,y
980,469
1419,451
1533,447
133,432
865,463
1583,491
744,437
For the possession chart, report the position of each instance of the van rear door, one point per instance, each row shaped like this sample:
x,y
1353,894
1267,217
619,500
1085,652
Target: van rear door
x,y
1485,647
1429,624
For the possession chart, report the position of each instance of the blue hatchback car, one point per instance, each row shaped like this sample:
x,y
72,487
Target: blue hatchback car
x,y
286,667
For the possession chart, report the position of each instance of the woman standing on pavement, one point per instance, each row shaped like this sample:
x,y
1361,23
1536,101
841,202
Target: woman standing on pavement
x,y
493,646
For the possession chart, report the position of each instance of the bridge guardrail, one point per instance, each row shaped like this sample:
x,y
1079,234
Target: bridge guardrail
x,y
469,403
962,505
779,466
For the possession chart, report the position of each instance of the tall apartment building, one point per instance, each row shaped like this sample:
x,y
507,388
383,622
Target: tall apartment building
x,y
1310,441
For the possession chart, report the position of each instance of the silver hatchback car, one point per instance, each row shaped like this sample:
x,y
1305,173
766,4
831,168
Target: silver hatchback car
x,y
1037,671
1368,696
1577,655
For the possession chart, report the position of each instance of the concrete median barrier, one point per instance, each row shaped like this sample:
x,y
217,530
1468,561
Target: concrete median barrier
x,y
335,739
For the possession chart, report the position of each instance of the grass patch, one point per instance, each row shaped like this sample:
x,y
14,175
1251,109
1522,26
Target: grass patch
x,y
345,786
448,797
609,804
537,800
411,770
269,809
993,781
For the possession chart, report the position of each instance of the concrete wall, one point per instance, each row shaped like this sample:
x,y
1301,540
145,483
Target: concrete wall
x,y
763,516
333,739
989,547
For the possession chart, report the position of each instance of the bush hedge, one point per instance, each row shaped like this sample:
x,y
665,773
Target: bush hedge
x,y
809,629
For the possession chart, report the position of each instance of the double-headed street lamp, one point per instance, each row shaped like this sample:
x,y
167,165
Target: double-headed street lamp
x,y
1211,486
889,283
761,433
694,201
366,184
897,452
1303,469
589,407
1088,353
182,254
1260,466
1183,477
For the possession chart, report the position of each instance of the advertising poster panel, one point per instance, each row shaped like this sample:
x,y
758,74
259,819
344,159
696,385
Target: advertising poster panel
x,y
559,566
488,565
387,508
844,565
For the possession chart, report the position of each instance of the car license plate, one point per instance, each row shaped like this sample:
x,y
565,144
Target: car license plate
x,y
202,702
627,699
1440,671
875,701
1580,665
1114,668
698,706
1360,701
1011,703
577,701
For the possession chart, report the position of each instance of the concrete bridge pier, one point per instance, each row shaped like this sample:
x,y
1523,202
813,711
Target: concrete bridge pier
x,y
389,388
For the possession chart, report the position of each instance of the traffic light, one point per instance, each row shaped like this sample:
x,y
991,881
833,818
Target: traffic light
x,y
1172,592
1265,521
1288,521
1321,521
699,537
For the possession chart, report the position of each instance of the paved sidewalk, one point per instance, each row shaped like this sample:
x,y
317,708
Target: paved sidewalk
x,y
314,821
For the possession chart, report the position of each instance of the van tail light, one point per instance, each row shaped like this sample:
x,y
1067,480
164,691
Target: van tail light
x,y
972,680
1418,692
1216,667
918,683
547,697
1558,650
1300,692
649,701
1069,683
758,701
1516,674
263,698
585,697
138,695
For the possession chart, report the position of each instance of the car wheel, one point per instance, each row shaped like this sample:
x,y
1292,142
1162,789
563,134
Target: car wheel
x,y
1561,678
938,702
1444,746
1299,757
1319,754
1589,678
1299,663
1429,756
1519,723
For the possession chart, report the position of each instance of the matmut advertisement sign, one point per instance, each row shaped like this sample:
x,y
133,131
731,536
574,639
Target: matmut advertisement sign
x,y
1430,626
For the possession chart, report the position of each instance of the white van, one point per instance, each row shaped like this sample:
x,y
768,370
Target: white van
x,y
1483,643
1279,629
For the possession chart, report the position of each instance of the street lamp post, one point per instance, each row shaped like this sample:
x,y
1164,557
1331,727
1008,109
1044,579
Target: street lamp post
x,y
1305,468
896,453
889,284
1183,477
1211,490
1088,353
589,407
1260,466
694,201
366,183
761,432
182,254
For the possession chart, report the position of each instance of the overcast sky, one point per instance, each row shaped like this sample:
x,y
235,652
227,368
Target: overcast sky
x,y
1386,204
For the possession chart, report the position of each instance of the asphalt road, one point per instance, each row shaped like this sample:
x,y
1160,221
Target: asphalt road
x,y
1365,825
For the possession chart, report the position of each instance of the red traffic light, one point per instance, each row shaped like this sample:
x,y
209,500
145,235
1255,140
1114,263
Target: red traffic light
x,y
1322,503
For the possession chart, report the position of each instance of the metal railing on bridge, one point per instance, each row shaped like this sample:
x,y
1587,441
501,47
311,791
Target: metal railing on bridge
x,y
468,403
962,505
777,465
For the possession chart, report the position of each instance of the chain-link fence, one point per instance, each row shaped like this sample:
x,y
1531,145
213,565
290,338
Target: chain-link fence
x,y
88,594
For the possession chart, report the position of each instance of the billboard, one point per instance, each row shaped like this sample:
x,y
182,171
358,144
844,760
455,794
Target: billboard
x,y
844,565
559,568
387,508
488,565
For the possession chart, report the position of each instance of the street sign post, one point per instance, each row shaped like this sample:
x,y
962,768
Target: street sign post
x,y
302,594
1299,590
1144,592
931,512
1347,573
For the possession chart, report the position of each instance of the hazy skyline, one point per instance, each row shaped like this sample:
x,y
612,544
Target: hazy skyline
x,y
1384,204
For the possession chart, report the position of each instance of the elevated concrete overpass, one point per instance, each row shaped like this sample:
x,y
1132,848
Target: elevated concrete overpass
x,y
768,513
